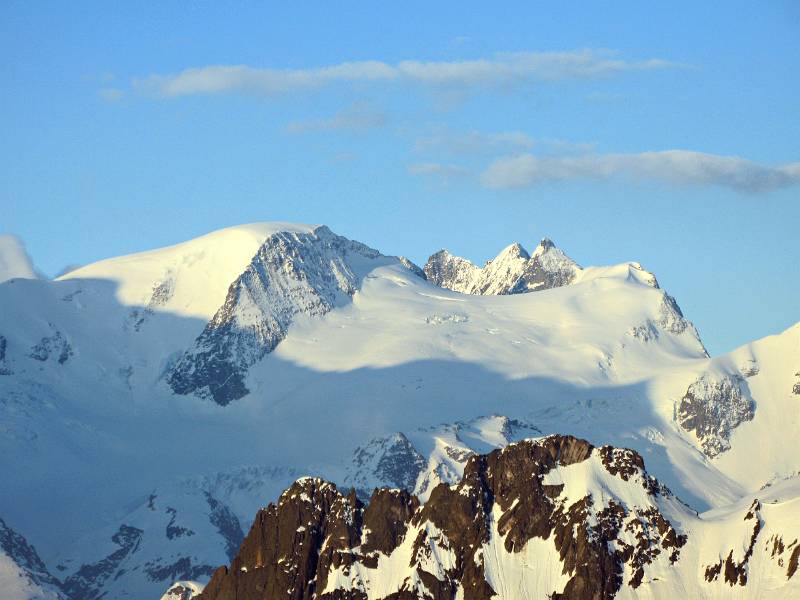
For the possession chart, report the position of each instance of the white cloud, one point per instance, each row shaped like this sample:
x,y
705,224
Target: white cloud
x,y
358,117
681,167
499,70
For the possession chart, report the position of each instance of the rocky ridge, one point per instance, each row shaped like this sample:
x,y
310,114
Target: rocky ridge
x,y
22,570
554,517
513,271
317,543
291,274
712,408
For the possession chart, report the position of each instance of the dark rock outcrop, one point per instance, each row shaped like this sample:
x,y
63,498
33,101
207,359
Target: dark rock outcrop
x,y
712,409
392,461
733,571
4,370
226,523
87,582
317,543
180,591
25,557
52,346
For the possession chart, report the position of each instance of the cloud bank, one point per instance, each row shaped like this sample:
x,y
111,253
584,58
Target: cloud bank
x,y
500,70
680,167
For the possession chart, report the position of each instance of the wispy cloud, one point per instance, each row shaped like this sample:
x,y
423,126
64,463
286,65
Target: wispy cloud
x,y
112,94
474,142
499,70
440,171
681,167
358,117
506,142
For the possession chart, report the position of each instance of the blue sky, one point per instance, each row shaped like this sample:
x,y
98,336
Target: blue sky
x,y
660,132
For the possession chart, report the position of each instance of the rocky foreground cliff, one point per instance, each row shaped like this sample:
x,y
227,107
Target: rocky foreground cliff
x,y
549,518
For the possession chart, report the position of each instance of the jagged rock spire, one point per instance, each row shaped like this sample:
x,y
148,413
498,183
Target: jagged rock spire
x,y
513,271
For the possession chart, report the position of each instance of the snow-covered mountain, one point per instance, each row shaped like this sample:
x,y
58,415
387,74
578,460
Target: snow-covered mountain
x,y
14,260
151,404
513,271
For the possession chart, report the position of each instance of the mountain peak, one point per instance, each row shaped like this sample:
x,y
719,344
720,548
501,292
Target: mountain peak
x,y
513,251
452,272
513,271
546,244
14,260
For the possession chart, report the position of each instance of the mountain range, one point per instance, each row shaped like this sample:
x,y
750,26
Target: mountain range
x,y
526,428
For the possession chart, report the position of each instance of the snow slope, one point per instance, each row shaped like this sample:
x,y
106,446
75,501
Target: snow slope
x,y
14,260
348,364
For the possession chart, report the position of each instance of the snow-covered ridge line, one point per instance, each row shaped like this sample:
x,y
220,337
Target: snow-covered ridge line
x,y
291,274
206,264
513,271
382,387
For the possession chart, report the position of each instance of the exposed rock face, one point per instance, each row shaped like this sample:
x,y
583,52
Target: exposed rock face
x,y
226,523
181,590
412,266
451,272
317,543
4,369
735,572
670,320
712,409
513,271
16,548
162,293
172,536
392,462
292,274
54,346
395,462
547,268
87,582
503,273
